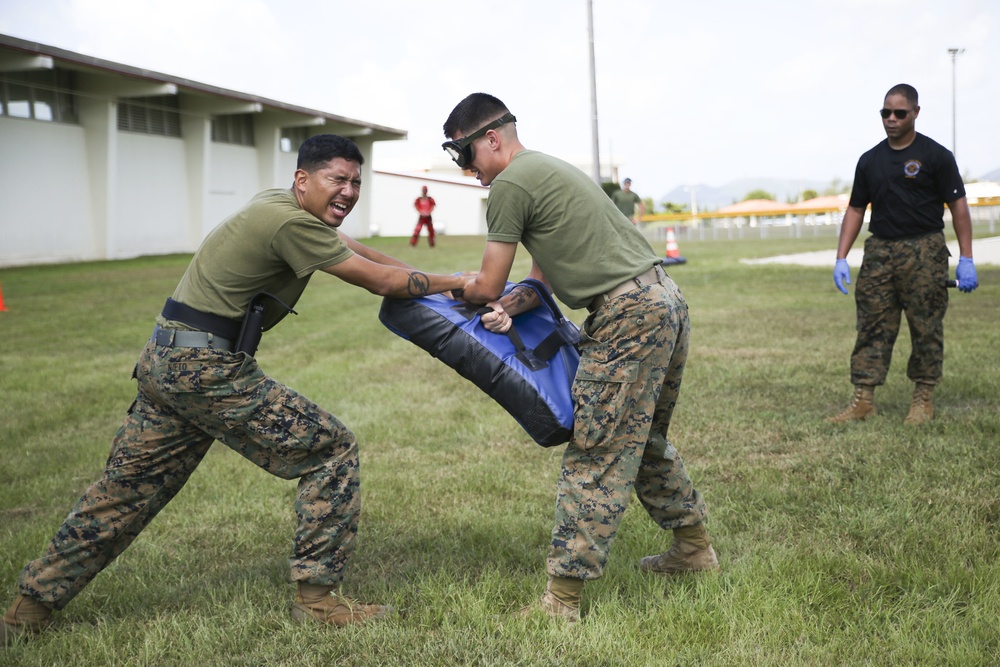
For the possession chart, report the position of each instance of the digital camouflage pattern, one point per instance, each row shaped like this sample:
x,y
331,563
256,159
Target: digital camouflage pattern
x,y
188,398
901,276
632,357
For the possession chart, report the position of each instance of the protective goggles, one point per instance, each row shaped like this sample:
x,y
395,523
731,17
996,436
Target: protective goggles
x,y
461,151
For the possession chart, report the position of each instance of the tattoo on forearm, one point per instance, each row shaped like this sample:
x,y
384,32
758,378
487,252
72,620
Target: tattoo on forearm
x,y
521,296
419,284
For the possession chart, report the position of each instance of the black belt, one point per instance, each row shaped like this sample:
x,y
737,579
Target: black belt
x,y
200,320
180,338
654,275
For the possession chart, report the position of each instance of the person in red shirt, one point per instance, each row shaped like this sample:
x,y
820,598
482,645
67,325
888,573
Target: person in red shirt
x,y
424,205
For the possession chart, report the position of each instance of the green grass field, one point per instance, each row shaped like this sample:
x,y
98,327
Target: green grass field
x,y
860,544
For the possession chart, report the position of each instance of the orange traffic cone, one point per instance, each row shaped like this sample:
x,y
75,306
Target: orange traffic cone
x,y
673,252
2,308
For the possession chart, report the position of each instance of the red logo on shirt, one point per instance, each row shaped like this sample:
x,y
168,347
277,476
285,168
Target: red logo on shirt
x,y
911,168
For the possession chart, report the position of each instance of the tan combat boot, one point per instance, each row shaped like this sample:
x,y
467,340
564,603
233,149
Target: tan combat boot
x,y
691,552
560,601
320,604
26,617
862,405
922,405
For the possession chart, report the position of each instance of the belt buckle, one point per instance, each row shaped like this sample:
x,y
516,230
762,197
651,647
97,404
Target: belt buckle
x,y
164,337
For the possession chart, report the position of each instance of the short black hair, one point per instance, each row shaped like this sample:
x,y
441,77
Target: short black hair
x,y
315,152
472,113
907,91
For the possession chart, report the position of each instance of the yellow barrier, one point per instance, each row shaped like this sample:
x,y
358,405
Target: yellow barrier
x,y
789,210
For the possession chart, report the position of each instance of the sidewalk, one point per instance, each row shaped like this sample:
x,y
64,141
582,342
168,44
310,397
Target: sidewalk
x,y
984,251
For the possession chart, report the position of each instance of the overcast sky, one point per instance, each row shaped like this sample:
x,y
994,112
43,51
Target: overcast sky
x,y
687,91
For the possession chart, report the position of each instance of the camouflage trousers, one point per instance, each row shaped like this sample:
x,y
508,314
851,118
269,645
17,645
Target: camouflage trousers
x,y
633,352
188,398
901,276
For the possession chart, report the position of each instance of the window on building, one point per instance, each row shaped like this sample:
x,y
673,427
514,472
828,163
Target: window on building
x,y
292,138
234,129
45,95
18,101
158,115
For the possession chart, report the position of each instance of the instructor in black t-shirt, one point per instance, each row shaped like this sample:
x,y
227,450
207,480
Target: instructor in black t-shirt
x,y
907,179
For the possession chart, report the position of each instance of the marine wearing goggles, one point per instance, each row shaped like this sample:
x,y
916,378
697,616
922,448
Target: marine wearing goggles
x,y
461,150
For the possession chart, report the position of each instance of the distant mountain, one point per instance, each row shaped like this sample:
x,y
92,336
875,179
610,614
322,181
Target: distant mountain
x,y
993,176
710,197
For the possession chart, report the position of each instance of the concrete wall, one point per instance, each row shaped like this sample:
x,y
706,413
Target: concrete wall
x,y
232,182
150,197
46,210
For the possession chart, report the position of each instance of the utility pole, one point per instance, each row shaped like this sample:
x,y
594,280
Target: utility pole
x,y
954,55
595,146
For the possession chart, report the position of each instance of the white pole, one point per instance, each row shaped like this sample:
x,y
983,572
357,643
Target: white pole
x,y
954,54
595,146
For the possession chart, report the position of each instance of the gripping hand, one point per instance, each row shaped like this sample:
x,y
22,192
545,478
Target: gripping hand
x,y
966,275
842,275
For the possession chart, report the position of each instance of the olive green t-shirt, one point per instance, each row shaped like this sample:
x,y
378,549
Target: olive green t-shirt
x,y
626,202
270,245
572,230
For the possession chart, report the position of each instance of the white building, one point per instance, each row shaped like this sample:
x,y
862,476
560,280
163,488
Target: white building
x,y
460,202
981,191
107,161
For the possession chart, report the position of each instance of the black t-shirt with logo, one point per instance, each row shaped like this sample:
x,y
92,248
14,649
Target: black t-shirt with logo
x,y
907,188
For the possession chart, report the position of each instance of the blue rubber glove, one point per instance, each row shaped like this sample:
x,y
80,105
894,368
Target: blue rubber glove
x,y
966,275
842,275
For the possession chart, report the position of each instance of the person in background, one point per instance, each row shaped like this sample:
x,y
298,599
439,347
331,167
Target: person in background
x,y
908,179
633,349
424,205
198,382
628,202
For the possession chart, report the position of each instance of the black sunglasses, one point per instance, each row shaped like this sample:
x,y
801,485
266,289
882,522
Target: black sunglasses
x,y
898,113
461,151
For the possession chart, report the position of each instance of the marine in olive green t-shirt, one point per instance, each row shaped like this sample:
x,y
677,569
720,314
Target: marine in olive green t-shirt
x,y
539,201
271,245
626,201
